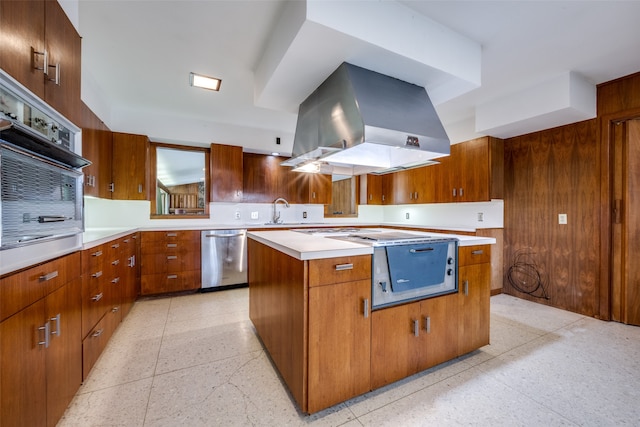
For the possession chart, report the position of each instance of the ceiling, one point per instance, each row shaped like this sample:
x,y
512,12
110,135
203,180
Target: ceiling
x,y
491,67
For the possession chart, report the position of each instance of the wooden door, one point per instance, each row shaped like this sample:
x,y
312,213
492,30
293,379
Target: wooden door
x,y
22,371
21,36
63,45
64,355
625,295
395,344
226,173
130,166
339,343
439,330
474,315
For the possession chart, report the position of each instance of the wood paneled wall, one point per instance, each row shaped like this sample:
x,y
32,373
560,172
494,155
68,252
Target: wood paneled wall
x,y
547,173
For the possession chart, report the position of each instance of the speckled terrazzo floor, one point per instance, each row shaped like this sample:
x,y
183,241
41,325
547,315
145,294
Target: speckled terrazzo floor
x,y
195,361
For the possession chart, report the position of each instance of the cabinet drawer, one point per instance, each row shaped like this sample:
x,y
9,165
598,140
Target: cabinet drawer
x,y
170,263
95,342
339,270
478,254
175,247
94,259
171,236
21,289
95,303
170,282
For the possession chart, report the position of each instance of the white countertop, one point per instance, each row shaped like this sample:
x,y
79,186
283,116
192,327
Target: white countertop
x,y
306,247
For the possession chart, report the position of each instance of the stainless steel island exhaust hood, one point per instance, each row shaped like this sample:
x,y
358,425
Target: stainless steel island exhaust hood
x,y
359,121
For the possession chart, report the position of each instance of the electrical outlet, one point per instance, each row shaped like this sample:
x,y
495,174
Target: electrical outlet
x,y
254,215
480,216
406,215
562,219
237,214
304,214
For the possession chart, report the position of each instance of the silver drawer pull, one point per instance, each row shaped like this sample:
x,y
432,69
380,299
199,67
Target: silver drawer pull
x,y
49,276
416,328
115,309
172,245
427,324
341,267
115,245
97,333
172,257
172,234
98,253
366,308
477,252
96,275
97,298
116,280
172,276
116,262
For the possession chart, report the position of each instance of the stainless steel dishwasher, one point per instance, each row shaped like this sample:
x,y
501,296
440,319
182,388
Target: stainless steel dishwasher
x,y
224,259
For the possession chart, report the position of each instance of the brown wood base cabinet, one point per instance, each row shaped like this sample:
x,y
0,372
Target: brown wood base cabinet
x,y
170,261
40,342
313,318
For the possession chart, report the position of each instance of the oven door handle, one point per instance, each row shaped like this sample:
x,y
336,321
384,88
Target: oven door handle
x,y
416,251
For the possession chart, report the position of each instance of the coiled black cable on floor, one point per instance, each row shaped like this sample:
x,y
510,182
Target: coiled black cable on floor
x,y
525,276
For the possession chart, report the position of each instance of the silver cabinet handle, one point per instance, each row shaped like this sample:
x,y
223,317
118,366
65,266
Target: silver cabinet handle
x,y
57,320
172,276
115,309
454,192
172,257
97,333
466,287
461,193
172,245
172,234
116,280
139,188
56,76
97,253
132,261
370,196
112,187
341,267
416,328
427,324
96,275
366,308
477,252
47,330
49,276
45,60
116,262
115,245
97,298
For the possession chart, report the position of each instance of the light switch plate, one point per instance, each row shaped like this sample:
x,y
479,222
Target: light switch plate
x,y
562,218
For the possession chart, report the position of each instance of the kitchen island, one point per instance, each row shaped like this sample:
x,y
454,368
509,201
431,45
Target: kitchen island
x,y
310,302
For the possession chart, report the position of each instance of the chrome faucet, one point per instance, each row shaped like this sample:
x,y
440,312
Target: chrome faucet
x,y
276,214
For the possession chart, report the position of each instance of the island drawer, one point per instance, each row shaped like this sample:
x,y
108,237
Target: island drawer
x,y
477,254
339,270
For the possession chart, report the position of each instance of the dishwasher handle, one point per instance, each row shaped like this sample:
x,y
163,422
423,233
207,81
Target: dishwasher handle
x,y
218,236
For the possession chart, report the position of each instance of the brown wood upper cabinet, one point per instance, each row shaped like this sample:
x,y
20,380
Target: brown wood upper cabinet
x,y
226,173
473,173
28,29
129,168
97,146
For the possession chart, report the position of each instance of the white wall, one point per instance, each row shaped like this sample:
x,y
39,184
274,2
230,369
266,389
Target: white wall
x,y
103,213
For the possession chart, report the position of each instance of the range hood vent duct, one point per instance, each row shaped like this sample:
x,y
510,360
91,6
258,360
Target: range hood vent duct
x,y
360,121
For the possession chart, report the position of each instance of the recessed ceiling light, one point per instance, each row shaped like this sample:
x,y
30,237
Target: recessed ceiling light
x,y
205,82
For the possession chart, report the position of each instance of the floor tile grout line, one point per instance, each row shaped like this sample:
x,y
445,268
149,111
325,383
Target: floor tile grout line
x,y
153,375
